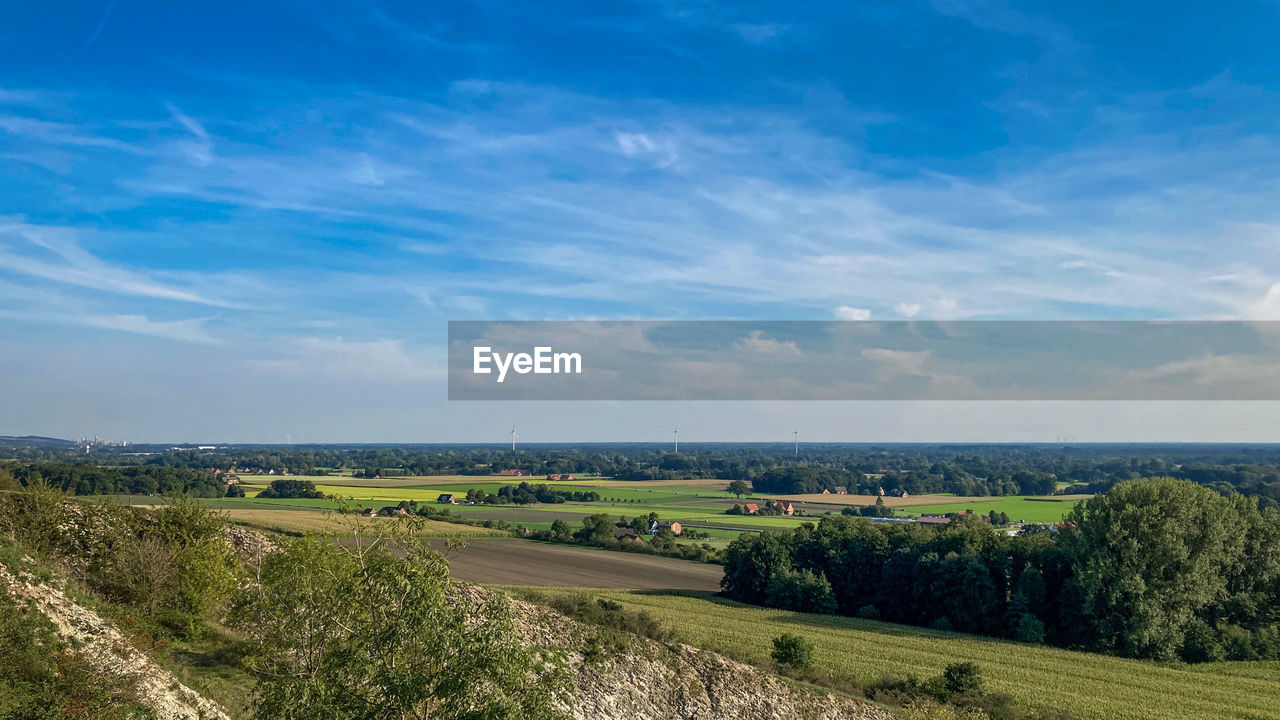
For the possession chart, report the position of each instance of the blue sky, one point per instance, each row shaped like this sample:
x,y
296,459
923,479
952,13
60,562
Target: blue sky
x,y
245,220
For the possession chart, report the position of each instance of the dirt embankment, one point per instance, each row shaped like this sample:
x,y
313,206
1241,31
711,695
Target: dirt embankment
x,y
673,681
102,645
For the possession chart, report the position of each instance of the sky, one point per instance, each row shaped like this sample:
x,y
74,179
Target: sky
x,y
252,221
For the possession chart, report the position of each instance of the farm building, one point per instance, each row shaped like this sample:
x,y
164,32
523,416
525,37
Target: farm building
x,y
624,533
673,526
750,509
447,499
513,472
842,490
826,491
559,476
368,512
785,507
933,520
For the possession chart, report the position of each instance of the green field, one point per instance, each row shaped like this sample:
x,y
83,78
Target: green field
x,y
1091,687
698,503
1023,509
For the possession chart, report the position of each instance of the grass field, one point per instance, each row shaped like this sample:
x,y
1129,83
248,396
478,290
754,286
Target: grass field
x,y
1091,687
1025,509
895,502
692,502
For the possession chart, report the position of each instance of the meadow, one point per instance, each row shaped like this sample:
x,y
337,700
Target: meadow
x,y
1089,686
695,503
1020,509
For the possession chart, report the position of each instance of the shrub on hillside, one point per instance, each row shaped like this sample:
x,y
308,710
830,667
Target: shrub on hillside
x,y
793,651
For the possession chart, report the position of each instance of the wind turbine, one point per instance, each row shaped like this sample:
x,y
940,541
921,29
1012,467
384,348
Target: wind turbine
x,y
513,438
675,433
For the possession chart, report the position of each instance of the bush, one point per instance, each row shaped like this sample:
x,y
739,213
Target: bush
x,y
794,651
963,679
869,612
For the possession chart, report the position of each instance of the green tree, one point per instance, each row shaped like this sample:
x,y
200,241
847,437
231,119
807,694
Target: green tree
x,y
596,529
801,591
795,651
560,528
8,481
751,562
1149,554
963,678
355,632
1029,629
739,488
291,488
206,564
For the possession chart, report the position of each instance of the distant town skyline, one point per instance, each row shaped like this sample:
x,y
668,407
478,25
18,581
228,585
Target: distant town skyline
x,y
252,220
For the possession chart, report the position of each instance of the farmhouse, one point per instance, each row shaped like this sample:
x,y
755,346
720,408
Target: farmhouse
x,y
558,476
842,490
750,509
447,499
624,533
785,507
513,472
673,526
368,512
826,491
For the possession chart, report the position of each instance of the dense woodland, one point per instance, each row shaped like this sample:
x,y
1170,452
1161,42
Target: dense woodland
x,y
1155,568
774,468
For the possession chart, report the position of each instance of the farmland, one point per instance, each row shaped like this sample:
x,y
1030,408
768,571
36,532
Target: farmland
x,y
697,503
302,521
512,562
1090,686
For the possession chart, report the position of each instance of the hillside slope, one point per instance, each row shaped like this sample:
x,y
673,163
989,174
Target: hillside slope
x,y
674,681
100,643
646,679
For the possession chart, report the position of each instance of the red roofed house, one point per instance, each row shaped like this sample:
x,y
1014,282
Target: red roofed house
x,y
750,509
673,526
932,520
785,507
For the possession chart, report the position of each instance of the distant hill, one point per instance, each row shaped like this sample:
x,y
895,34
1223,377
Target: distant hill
x,y
34,441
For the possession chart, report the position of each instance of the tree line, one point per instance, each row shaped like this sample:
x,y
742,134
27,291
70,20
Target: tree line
x,y
1156,568
777,467
88,479
529,494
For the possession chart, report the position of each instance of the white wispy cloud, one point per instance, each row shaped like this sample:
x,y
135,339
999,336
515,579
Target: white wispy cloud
x,y
66,262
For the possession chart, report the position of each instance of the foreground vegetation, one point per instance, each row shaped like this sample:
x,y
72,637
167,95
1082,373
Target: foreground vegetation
x,y
1155,568
317,629
867,656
